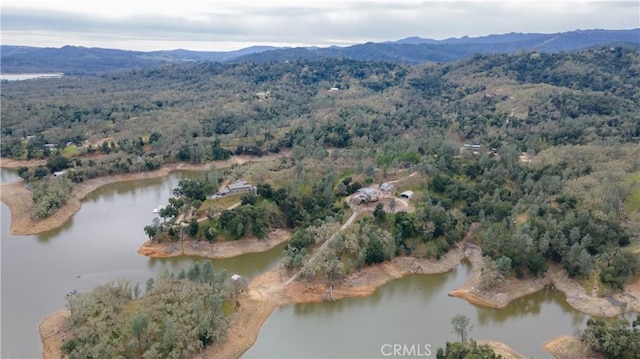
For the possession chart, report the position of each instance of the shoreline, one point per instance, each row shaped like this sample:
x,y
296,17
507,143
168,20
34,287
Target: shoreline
x,y
18,198
215,250
15,164
53,334
502,349
575,294
567,347
268,291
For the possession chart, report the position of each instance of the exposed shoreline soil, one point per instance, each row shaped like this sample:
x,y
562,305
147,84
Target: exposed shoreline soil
x,y
502,349
11,163
53,334
268,291
568,347
575,294
205,249
18,197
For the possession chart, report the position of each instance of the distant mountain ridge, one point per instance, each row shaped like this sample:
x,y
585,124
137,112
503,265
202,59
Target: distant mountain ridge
x,y
411,50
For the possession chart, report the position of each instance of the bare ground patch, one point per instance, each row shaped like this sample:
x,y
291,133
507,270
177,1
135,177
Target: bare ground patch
x,y
505,351
216,249
567,347
576,295
53,334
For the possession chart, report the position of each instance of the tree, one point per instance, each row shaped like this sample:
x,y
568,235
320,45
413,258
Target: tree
x,y
151,231
392,205
193,228
374,252
504,265
24,173
264,190
461,326
139,325
149,284
490,275
248,199
40,172
57,163
379,213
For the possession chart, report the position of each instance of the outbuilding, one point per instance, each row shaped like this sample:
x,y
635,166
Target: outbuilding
x,y
406,194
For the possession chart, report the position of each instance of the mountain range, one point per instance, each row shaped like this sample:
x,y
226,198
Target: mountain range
x,y
411,50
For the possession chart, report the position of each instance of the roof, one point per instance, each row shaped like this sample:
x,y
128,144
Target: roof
x,y
367,191
407,194
386,186
236,277
239,184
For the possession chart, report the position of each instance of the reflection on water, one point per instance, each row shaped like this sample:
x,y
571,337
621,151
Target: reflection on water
x,y
99,244
8,175
414,310
96,246
21,77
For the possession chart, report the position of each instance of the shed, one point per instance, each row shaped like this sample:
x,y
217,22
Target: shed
x,y
406,194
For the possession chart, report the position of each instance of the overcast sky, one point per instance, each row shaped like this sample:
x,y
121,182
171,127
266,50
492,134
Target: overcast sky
x,y
233,24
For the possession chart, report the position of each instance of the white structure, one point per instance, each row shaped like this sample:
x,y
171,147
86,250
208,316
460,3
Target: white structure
x,y
366,195
406,194
158,209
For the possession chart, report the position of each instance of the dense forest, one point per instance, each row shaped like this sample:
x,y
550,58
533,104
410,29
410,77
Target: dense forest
x,y
541,150
174,316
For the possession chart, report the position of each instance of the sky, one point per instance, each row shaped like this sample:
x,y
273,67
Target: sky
x,y
212,25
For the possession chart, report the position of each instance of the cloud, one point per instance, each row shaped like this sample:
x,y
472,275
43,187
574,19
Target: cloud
x,y
209,25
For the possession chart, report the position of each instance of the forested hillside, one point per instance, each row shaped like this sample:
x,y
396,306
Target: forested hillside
x,y
549,170
73,60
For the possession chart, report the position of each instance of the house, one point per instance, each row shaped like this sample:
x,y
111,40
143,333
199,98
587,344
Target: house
x,y
469,147
406,194
239,186
50,146
366,195
386,188
525,157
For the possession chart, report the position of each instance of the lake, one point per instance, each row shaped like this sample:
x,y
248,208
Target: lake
x,y
20,77
99,245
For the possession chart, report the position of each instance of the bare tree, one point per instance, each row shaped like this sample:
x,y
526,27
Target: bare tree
x,y
461,326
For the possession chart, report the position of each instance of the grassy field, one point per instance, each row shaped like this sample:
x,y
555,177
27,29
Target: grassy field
x,y
220,203
69,151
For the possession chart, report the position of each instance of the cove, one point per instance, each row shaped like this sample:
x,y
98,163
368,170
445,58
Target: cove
x,y
99,244
414,310
96,246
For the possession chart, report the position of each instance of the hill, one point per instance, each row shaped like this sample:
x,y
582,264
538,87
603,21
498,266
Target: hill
x,y
538,148
82,60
